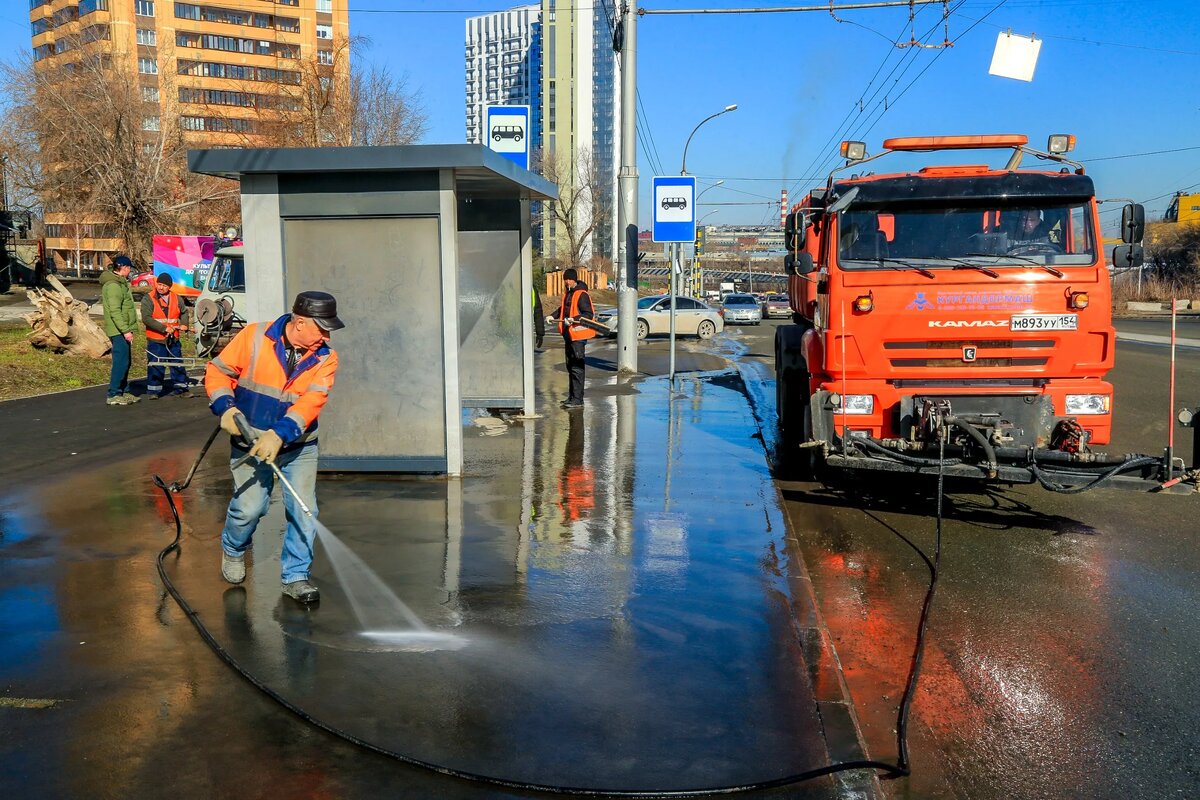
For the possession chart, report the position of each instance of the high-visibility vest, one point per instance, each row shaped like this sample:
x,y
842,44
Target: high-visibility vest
x,y
251,373
168,315
575,332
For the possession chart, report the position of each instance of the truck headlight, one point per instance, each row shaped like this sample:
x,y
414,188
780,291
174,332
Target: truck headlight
x,y
1088,403
858,404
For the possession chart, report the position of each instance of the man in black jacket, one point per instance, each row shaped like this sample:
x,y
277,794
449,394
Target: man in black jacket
x,y
576,304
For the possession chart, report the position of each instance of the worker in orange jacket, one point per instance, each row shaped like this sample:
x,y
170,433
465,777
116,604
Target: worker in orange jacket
x,y
278,375
165,317
576,304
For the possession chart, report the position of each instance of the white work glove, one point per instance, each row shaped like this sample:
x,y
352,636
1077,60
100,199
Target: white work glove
x,y
551,320
267,447
227,423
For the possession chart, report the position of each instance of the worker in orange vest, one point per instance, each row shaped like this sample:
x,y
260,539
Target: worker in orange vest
x,y
576,304
164,316
278,375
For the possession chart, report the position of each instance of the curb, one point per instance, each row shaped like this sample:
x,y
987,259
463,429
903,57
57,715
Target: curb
x,y
835,705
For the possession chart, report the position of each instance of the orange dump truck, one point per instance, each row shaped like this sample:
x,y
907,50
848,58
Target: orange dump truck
x,y
955,316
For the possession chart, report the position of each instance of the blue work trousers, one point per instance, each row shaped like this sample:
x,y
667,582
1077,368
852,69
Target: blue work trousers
x,y
252,484
158,356
122,356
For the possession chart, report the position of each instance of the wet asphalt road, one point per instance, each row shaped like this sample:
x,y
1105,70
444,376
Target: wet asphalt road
x,y
644,630
1064,644
617,584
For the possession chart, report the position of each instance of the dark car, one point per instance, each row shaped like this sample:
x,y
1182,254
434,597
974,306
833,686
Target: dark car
x,y
674,202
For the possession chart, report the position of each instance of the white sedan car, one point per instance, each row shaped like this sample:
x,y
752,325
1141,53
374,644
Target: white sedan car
x,y
692,317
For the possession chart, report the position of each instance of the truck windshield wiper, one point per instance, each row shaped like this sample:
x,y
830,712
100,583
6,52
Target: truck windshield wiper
x,y
897,264
991,273
1055,272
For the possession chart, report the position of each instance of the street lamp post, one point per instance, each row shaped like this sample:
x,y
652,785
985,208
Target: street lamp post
x,y
679,250
627,201
726,110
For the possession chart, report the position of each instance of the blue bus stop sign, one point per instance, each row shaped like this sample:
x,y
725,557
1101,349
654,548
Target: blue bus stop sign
x,y
507,132
675,209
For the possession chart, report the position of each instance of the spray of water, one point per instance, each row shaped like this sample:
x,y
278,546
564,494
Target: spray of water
x,y
375,605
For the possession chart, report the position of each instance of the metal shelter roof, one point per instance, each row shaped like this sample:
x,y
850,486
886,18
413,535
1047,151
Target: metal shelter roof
x,y
476,169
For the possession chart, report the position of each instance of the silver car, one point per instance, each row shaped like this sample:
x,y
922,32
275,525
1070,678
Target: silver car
x,y
692,317
741,309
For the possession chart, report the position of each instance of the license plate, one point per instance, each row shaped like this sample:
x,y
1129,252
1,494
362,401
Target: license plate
x,y
1044,322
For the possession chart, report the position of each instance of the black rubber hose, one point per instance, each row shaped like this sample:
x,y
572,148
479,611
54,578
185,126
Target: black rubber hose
x,y
898,770
903,458
919,651
1044,478
992,464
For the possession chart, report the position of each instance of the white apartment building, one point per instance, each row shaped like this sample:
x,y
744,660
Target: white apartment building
x,y
504,67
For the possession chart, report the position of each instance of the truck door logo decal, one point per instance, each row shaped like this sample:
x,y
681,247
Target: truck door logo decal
x,y
920,303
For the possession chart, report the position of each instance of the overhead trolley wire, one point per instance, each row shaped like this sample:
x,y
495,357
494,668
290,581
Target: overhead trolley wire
x,y
883,108
819,157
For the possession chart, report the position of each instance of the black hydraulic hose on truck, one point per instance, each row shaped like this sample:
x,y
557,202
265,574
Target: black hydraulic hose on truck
x,y
1044,478
900,769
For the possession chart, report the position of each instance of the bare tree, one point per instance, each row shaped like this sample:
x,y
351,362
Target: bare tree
x,y
94,148
337,102
579,208
1173,251
384,111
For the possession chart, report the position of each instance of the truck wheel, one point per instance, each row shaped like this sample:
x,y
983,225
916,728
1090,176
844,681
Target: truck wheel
x,y
643,329
792,406
706,329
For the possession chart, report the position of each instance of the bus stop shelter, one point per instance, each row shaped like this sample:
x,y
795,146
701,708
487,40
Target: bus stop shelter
x,y
427,249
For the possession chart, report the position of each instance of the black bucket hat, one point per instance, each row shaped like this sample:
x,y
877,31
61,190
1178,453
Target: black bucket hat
x,y
321,307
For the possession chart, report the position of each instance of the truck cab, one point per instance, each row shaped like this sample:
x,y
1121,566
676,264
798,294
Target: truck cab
x,y
966,297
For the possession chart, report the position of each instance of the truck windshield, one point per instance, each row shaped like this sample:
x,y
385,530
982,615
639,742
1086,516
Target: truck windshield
x,y
1009,236
228,274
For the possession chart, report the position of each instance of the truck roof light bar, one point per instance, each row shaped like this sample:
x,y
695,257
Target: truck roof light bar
x,y
920,144
1058,144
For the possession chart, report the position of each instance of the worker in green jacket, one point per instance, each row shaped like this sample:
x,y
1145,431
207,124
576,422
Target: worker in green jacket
x,y
120,321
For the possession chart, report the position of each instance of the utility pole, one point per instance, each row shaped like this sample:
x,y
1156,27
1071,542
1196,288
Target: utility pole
x,y
627,205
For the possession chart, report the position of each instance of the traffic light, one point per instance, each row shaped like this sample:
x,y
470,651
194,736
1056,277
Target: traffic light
x,y
699,241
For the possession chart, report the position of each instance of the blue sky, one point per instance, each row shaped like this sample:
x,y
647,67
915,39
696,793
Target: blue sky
x,y
1120,74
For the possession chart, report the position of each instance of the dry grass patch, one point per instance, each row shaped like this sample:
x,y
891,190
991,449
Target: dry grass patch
x,y
26,371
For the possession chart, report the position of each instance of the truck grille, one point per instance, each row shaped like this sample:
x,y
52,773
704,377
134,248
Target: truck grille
x,y
982,344
979,362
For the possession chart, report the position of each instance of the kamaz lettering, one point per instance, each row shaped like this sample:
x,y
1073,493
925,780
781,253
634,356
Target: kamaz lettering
x,y
968,323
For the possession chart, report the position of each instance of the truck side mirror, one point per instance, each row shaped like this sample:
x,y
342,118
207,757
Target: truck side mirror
x,y
1128,256
799,264
1133,223
793,231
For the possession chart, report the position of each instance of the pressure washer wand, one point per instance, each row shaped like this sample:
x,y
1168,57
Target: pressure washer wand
x,y
251,437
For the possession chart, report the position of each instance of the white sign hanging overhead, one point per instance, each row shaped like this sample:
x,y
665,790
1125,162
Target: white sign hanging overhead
x,y
1015,56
